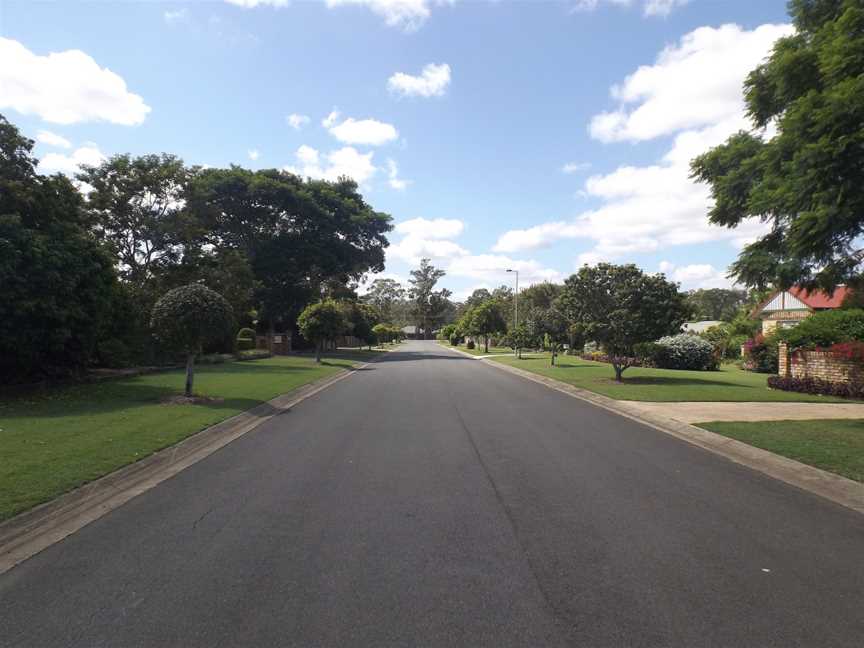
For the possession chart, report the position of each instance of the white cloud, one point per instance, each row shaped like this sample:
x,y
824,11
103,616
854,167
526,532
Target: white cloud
x,y
251,4
413,248
692,84
648,208
363,131
662,7
408,15
172,17
253,154
575,167
649,7
297,121
432,82
331,119
69,164
52,139
346,161
697,275
393,179
493,267
435,228
65,87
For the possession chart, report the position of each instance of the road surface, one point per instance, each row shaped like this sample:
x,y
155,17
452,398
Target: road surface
x,y
432,500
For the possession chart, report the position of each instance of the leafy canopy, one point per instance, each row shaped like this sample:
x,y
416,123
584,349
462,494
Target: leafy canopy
x,y
322,321
619,306
805,182
189,317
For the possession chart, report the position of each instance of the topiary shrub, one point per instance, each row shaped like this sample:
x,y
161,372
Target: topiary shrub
x,y
246,333
187,318
684,351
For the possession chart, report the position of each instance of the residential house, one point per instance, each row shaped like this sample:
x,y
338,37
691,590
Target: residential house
x,y
785,308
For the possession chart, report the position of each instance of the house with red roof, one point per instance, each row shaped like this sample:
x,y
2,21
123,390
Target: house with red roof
x,y
785,308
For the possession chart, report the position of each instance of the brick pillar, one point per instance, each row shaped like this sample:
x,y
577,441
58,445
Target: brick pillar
x,y
784,367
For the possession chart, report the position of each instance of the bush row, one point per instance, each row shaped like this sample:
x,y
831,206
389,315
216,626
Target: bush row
x,y
817,386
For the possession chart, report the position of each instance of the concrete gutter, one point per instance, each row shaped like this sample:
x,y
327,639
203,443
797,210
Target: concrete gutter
x,y
32,531
846,492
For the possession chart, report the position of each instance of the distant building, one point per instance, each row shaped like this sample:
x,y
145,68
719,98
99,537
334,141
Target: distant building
x,y
785,308
699,327
413,332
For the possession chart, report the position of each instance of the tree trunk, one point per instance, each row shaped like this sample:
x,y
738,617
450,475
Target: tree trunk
x,y
619,370
552,356
318,351
485,344
190,373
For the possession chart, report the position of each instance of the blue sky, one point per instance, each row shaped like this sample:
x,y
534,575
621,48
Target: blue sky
x,y
534,135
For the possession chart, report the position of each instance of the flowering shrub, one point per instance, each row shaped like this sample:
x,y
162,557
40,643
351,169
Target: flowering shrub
x,y
847,350
684,351
817,386
760,354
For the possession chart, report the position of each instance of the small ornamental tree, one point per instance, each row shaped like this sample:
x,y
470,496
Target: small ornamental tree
x,y
552,325
487,319
521,338
620,306
321,322
187,318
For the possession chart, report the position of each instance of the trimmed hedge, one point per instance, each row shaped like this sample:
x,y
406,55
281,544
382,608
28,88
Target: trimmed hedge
x,y
817,386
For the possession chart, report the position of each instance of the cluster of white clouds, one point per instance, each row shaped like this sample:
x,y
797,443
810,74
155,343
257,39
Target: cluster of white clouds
x,y
346,161
370,132
407,15
649,7
65,87
432,81
297,121
435,239
696,275
69,164
694,92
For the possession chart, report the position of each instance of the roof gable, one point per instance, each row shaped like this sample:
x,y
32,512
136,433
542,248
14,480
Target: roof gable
x,y
798,298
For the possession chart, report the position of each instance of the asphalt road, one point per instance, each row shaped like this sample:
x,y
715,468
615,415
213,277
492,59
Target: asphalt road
x,y
431,500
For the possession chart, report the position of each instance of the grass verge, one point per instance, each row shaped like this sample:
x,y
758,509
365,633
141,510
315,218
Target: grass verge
x,y
55,441
835,445
728,384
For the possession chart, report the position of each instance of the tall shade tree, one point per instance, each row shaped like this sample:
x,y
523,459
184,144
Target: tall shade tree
x,y
322,322
716,303
551,325
136,203
297,234
384,294
429,305
187,318
56,280
620,306
805,182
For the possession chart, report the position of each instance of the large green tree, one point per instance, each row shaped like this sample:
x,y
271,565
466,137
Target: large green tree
x,y
620,306
297,234
137,205
56,279
716,303
430,306
384,294
805,181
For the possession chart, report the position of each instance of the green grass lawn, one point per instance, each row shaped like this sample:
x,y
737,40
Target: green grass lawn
x,y
833,445
728,384
54,441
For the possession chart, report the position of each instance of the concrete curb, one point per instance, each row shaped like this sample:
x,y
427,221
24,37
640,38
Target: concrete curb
x,y
32,531
835,488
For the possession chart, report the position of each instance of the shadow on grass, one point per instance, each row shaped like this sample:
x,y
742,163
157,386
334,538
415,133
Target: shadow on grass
x,y
672,381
